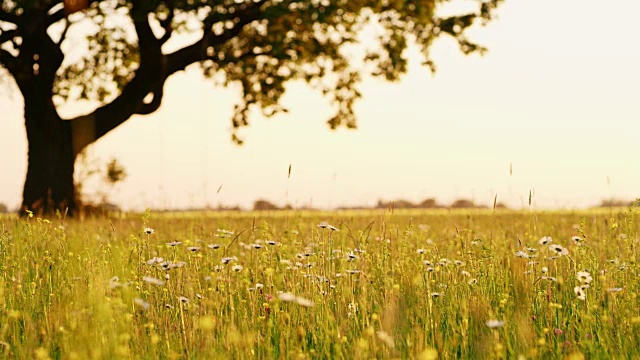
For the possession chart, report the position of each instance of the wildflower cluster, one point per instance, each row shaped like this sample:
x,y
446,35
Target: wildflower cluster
x,y
375,285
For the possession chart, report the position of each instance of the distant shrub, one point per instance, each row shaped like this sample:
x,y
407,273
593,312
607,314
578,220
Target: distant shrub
x,y
465,204
616,203
3,208
227,208
396,204
429,204
501,206
262,204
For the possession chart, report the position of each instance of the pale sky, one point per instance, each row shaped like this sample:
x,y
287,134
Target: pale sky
x,y
556,96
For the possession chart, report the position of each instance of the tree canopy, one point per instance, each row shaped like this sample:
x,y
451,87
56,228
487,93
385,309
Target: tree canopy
x,y
129,48
259,44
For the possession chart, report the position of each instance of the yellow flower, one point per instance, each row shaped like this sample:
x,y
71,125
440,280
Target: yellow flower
x,y
428,354
575,356
42,354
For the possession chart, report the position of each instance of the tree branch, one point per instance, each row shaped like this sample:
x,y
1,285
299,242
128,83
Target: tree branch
x,y
154,104
8,61
167,24
67,25
148,78
61,13
10,18
55,17
180,59
152,73
54,3
7,35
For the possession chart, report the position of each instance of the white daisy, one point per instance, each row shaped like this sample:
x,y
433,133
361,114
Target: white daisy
x,y
304,302
352,256
584,277
237,268
558,250
494,324
141,303
223,233
153,281
286,297
386,338
228,259
167,265
155,261
545,240
114,282
326,225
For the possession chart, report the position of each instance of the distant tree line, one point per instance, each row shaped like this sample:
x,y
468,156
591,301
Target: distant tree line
x,y
430,203
618,203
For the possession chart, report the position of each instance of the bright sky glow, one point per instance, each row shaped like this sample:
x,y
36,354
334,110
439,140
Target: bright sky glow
x,y
556,96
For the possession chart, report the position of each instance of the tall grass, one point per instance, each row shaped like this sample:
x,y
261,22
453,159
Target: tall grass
x,y
403,284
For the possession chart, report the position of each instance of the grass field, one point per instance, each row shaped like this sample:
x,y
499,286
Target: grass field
x,y
401,284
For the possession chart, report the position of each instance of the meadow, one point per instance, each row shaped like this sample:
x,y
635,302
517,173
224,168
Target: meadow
x,y
381,284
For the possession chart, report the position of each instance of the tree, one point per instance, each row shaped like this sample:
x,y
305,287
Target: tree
x,y
261,204
465,204
430,203
616,203
259,44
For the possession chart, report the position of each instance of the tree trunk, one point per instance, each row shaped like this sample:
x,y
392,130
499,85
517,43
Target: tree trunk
x,y
53,142
49,185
